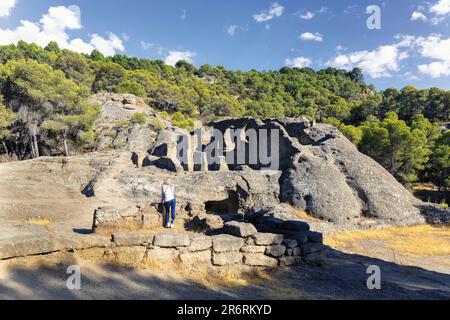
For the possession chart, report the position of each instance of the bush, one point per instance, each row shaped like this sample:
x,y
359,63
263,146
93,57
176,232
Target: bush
x,y
138,118
157,123
180,120
131,87
122,123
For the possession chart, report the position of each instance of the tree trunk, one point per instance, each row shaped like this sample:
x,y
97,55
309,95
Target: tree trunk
x,y
4,146
36,146
66,149
33,153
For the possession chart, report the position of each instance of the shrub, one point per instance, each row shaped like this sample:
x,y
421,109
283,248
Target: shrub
x,y
138,118
157,123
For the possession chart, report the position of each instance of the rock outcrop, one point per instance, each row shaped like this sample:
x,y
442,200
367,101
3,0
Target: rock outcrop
x,y
318,170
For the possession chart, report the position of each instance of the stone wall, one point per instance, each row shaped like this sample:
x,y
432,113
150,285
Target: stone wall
x,y
240,243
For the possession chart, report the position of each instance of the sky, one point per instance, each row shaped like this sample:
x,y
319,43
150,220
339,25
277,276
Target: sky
x,y
395,42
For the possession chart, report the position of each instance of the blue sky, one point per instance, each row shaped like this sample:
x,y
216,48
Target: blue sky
x,y
412,46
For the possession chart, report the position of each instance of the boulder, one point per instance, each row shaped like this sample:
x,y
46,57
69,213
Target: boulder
x,y
289,261
309,248
239,229
315,237
200,243
259,260
301,237
292,225
290,243
166,163
105,215
275,251
196,257
264,239
171,240
226,258
253,249
132,238
227,243
333,181
307,236
297,251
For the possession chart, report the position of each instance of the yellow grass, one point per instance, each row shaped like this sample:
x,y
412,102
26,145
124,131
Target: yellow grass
x,y
299,213
423,240
41,221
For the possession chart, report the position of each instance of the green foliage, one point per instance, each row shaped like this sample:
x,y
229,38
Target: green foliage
x,y
399,148
179,120
440,161
122,123
108,76
164,115
75,67
138,118
157,123
354,134
53,47
7,118
131,87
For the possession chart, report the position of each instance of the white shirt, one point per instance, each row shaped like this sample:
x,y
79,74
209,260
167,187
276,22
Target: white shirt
x,y
168,193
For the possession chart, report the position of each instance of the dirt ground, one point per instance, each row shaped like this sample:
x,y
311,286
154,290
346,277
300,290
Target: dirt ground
x,y
344,276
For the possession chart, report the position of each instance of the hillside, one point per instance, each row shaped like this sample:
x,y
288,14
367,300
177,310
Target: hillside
x,y
44,111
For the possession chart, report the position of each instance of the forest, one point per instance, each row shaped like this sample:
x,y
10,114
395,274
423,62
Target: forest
x,y
43,95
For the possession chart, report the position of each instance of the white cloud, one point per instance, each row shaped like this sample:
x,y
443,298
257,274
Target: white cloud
x,y
377,63
146,45
299,62
411,77
441,8
308,36
232,29
54,25
436,13
436,48
307,16
6,6
175,56
125,36
107,46
275,10
417,15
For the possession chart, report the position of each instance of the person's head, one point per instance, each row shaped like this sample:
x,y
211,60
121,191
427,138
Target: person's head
x,y
167,182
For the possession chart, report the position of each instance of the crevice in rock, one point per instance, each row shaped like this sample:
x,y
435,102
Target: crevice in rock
x,y
229,205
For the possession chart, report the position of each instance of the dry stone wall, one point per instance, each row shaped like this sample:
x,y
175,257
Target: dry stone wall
x,y
240,243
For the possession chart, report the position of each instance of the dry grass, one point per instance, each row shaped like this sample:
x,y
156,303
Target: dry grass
x,y
416,241
41,221
301,214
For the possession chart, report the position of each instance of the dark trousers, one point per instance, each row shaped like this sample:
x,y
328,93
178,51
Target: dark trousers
x,y
170,210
